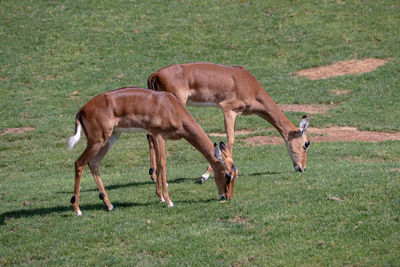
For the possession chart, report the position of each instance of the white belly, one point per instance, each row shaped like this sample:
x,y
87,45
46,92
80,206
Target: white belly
x,y
201,104
129,130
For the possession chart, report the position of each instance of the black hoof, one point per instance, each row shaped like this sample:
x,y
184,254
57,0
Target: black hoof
x,y
101,195
73,199
151,170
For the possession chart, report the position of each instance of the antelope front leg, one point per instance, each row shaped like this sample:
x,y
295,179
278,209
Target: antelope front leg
x,y
152,170
159,144
229,120
204,176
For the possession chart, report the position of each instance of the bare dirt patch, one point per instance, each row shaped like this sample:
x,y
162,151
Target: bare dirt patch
x,y
240,132
335,134
74,94
17,130
264,140
334,198
342,68
311,109
331,134
340,92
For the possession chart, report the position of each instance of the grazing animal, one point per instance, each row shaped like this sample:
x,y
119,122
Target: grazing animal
x,y
236,91
109,114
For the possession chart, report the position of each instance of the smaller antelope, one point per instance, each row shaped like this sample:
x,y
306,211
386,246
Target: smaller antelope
x,y
236,92
131,109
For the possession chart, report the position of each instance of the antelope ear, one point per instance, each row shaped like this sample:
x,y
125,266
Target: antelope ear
x,y
222,145
217,152
304,124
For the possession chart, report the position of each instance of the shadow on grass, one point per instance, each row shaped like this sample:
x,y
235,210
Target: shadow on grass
x,y
195,201
24,213
260,173
110,187
134,184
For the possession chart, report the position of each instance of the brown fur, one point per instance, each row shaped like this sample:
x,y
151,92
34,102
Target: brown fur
x,y
160,114
236,91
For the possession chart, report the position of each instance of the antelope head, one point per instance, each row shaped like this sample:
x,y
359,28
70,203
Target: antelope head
x,y
226,178
298,144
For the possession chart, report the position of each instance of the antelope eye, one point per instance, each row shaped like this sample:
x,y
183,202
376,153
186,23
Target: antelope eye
x,y
306,144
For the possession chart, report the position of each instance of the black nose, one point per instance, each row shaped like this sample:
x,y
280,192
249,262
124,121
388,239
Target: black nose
x,y
298,168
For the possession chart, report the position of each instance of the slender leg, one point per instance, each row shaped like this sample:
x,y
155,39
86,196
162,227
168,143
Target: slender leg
x,y
204,176
152,170
159,144
94,168
155,168
229,120
90,151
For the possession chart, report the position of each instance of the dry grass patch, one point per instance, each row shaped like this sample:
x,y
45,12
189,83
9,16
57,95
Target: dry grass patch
x,y
342,68
17,130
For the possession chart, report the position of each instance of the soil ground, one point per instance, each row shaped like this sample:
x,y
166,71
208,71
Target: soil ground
x,y
331,134
17,130
343,68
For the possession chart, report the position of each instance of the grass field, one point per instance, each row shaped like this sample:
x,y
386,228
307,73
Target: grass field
x,y
56,55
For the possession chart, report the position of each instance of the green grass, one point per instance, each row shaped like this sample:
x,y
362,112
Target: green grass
x,y
345,210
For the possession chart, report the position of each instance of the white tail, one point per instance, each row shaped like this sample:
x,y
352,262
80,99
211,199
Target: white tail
x,y
162,116
75,138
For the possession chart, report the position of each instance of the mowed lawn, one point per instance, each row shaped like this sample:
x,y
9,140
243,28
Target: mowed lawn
x,y
56,55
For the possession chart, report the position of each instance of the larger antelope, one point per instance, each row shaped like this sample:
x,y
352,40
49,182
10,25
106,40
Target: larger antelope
x,y
236,92
107,115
